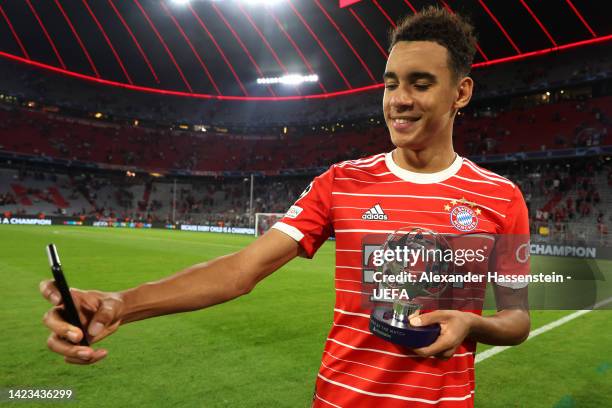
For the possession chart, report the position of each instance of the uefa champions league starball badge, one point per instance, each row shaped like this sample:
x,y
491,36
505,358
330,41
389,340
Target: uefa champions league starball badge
x,y
409,255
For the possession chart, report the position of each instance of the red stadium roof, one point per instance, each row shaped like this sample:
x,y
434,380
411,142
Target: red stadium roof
x,y
218,49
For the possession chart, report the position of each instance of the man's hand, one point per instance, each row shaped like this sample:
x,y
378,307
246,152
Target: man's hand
x,y
455,326
99,313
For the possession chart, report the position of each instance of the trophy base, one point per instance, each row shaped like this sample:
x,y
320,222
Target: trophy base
x,y
384,326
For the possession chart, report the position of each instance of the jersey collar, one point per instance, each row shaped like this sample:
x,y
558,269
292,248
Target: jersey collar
x,y
423,178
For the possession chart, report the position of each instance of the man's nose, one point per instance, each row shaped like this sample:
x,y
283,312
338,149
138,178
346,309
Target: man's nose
x,y
402,101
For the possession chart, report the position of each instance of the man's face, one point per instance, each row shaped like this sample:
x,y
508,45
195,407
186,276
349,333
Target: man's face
x,y
419,97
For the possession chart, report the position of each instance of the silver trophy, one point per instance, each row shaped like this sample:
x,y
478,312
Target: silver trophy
x,y
413,257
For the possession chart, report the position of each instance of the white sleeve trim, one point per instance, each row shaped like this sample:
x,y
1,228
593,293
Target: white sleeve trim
x,y
289,230
513,285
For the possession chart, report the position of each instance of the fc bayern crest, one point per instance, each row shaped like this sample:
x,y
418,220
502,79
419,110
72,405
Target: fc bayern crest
x,y
462,216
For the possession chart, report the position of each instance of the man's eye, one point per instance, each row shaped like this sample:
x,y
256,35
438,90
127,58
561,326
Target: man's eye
x,y
422,87
390,86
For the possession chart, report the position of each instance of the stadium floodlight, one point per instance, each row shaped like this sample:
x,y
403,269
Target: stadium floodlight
x,y
246,2
292,79
260,2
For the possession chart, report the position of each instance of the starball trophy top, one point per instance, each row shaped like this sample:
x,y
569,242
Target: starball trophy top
x,y
409,293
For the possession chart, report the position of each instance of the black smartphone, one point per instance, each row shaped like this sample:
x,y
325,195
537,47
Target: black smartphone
x,y
69,313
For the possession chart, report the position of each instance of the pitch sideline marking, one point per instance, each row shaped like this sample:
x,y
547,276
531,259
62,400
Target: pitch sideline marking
x,y
498,349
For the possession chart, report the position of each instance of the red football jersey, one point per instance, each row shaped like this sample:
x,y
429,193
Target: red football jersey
x,y
374,195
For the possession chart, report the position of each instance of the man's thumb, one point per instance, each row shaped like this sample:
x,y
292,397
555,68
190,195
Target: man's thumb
x,y
425,319
102,318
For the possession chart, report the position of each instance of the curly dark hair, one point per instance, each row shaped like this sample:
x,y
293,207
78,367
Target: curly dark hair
x,y
451,31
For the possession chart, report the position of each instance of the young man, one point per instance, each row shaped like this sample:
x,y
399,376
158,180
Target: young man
x,y
421,182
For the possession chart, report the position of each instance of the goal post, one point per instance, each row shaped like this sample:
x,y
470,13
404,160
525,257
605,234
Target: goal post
x,y
265,221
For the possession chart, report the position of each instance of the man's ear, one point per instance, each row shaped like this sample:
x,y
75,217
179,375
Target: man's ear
x,y
464,92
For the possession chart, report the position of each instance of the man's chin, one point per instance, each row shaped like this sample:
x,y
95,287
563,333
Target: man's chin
x,y
411,142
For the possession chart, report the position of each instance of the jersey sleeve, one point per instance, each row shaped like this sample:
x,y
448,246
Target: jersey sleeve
x,y
512,247
308,220
517,218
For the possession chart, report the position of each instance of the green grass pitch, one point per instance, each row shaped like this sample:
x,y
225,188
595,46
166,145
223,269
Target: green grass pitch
x,y
262,350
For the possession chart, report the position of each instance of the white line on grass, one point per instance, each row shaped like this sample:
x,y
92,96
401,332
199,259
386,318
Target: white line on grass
x,y
498,349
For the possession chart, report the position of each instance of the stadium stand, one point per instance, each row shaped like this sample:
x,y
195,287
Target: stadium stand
x,y
486,131
569,199
68,149
568,68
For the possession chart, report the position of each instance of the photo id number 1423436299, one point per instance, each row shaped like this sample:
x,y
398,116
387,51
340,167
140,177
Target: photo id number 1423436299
x,y
16,394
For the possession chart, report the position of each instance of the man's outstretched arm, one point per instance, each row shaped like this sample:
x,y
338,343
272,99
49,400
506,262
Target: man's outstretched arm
x,y
194,288
212,282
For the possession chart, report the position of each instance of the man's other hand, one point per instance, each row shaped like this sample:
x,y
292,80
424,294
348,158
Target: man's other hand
x,y
454,328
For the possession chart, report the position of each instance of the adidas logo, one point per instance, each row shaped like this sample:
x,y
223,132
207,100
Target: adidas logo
x,y
375,213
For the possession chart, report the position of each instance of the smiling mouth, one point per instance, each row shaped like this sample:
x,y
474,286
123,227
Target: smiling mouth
x,y
403,124
404,119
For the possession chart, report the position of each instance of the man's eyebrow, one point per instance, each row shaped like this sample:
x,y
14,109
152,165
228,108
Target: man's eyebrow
x,y
413,76
389,75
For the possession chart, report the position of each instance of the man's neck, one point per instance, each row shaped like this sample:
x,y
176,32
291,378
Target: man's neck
x,y
426,160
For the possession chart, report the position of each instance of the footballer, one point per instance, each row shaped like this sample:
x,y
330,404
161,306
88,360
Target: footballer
x,y
421,182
